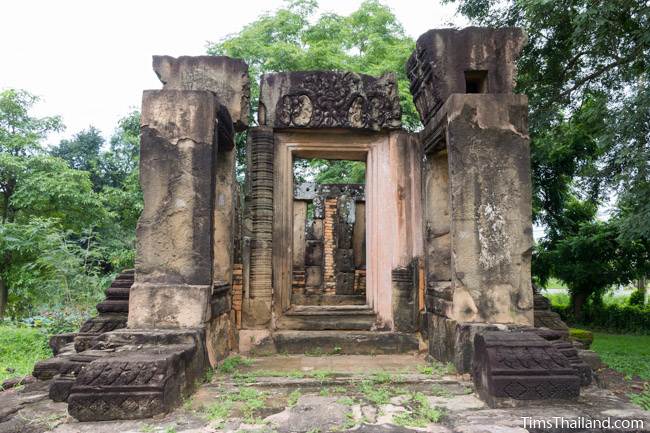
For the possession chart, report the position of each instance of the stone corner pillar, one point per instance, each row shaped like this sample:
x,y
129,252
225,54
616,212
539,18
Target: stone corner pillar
x,y
490,201
173,279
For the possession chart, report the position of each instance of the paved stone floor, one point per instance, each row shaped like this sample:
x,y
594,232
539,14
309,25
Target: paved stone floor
x,y
383,393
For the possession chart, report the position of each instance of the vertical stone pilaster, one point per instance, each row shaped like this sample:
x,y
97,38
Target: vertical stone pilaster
x,y
257,308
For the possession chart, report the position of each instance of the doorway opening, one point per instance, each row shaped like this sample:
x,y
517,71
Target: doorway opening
x,y
329,232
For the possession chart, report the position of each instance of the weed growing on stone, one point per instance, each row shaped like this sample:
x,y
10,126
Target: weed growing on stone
x,y
292,399
348,401
339,389
324,392
437,368
232,363
320,375
642,399
440,391
314,430
218,411
147,428
373,393
421,412
170,429
337,350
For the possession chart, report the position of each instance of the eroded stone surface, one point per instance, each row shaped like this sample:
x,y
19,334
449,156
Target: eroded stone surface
x,y
224,76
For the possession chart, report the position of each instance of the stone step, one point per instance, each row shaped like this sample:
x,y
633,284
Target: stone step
x,y
318,299
345,342
114,292
113,306
327,317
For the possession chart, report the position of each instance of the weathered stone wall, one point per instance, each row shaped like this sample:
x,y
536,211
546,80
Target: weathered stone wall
x,y
174,251
490,193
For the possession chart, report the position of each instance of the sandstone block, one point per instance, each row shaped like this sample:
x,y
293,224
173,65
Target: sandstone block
x,y
225,77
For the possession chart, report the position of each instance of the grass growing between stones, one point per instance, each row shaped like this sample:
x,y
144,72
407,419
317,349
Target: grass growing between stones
x,y
247,401
20,349
232,363
420,413
437,368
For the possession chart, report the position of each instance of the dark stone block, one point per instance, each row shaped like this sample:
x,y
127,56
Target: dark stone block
x,y
404,303
344,260
57,342
313,253
344,235
345,283
516,366
113,306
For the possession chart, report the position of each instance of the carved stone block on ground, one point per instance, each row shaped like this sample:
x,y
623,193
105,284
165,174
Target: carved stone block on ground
x,y
515,366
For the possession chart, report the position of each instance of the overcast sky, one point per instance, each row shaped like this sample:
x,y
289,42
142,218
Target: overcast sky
x,y
90,60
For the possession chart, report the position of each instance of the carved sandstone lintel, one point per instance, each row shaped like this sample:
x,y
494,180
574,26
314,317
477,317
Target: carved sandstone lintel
x,y
325,99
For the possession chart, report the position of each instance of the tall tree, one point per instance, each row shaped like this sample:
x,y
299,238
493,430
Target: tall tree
x,y
83,152
20,136
370,40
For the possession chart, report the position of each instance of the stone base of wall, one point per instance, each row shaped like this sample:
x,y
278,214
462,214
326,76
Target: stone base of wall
x,y
450,341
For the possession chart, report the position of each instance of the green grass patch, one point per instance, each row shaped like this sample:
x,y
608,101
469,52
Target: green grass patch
x,y
232,363
20,349
421,413
642,399
628,354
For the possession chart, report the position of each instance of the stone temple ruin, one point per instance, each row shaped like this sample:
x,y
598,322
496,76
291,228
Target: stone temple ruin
x,y
433,251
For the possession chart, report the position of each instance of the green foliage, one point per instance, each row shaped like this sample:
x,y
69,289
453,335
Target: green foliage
x,y
370,40
67,225
20,348
623,318
642,399
628,354
293,397
582,335
637,297
420,412
232,363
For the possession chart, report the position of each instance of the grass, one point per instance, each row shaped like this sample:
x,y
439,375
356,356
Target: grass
x,y
233,363
20,349
421,412
437,368
628,354
247,400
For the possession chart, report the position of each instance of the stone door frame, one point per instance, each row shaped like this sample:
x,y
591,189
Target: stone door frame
x,y
327,144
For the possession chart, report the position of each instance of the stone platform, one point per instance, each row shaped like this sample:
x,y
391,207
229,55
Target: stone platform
x,y
298,393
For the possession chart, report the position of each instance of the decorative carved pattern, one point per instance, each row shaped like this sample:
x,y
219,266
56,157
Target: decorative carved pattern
x,y
261,208
521,366
339,100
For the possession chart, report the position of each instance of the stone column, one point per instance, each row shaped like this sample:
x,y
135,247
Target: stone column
x,y
174,248
477,188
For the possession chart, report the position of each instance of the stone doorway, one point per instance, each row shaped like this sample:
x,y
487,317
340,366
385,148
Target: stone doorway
x,y
331,296
329,233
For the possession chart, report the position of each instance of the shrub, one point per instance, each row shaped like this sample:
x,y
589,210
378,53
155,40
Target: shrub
x,y
637,298
583,336
633,319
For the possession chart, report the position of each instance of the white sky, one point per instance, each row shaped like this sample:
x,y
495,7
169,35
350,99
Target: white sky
x,y
90,60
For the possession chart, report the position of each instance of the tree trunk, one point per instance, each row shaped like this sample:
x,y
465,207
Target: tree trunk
x,y
578,301
4,297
